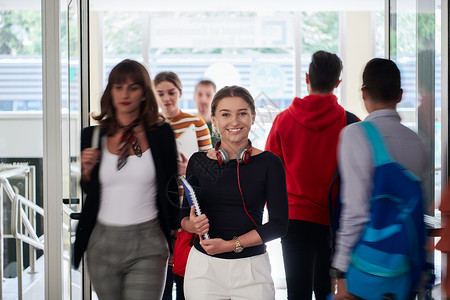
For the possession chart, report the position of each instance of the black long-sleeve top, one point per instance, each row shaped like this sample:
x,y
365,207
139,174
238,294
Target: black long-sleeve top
x,y
262,182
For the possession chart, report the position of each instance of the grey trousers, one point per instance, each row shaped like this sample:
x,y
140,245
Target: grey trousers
x,y
128,262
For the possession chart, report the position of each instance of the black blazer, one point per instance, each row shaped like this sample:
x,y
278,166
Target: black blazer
x,y
162,144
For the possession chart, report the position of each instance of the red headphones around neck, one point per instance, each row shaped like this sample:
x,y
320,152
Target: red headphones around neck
x,y
243,155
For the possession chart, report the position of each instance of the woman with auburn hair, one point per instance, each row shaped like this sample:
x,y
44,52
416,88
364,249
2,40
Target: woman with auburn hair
x,y
169,88
127,216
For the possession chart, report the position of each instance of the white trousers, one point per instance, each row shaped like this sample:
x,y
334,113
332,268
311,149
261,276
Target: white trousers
x,y
211,278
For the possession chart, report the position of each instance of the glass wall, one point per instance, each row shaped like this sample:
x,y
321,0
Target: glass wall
x,y
21,142
256,50
415,37
20,56
71,128
22,138
319,31
416,48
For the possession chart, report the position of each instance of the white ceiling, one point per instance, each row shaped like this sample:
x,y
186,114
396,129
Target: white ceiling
x,y
213,5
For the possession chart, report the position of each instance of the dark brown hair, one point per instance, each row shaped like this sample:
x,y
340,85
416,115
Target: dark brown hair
x,y
170,77
129,70
233,91
324,71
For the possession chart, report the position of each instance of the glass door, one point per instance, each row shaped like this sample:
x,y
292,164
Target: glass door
x,y
71,127
415,45
21,151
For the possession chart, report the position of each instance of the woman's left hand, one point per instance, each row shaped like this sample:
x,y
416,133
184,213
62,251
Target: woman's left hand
x,y
217,246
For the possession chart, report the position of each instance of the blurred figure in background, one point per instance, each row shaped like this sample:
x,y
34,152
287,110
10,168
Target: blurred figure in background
x,y
305,137
381,92
444,243
203,95
169,88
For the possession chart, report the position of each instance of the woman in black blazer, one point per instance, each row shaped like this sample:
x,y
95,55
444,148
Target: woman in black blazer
x,y
131,190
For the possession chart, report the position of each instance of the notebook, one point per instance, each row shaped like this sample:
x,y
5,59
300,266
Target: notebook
x,y
187,141
192,198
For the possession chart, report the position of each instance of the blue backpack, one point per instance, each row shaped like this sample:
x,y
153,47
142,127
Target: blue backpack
x,y
388,259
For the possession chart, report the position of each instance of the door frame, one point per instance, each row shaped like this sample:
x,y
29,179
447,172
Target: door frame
x,y
52,154
84,108
53,136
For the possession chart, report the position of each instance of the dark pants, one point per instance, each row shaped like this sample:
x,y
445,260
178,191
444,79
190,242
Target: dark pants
x,y
179,281
306,254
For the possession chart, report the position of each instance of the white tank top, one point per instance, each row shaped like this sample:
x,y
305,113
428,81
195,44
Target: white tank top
x,y
127,196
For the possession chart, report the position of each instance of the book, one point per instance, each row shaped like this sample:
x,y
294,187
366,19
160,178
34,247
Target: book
x,y
192,198
187,141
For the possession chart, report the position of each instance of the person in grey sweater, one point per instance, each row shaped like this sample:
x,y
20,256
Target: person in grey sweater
x,y
381,92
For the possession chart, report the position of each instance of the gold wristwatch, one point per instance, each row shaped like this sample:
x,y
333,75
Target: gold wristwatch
x,y
239,247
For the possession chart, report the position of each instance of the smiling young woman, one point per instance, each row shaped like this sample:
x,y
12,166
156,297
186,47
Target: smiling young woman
x,y
236,181
233,119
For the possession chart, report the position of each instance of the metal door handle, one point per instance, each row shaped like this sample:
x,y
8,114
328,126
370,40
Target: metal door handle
x,y
75,216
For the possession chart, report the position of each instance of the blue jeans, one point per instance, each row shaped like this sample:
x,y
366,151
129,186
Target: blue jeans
x,y
306,255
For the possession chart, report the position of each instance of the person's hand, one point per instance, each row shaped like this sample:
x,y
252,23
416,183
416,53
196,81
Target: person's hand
x,y
89,158
333,286
342,293
200,224
182,164
217,246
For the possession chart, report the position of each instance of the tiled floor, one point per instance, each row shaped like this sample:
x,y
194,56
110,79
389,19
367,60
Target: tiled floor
x,y
10,285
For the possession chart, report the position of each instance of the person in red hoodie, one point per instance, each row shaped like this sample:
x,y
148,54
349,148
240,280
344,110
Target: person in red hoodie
x,y
305,137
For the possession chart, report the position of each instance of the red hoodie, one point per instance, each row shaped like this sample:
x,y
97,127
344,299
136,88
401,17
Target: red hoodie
x,y
305,137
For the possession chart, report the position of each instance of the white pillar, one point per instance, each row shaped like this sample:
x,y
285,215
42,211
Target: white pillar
x,y
358,51
52,162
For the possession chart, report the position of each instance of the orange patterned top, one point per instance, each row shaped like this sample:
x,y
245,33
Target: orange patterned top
x,y
183,120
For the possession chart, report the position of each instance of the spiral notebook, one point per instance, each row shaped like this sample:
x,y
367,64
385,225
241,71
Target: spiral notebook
x,y
192,198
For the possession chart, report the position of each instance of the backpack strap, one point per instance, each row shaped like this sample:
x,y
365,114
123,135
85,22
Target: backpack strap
x,y
95,139
380,151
